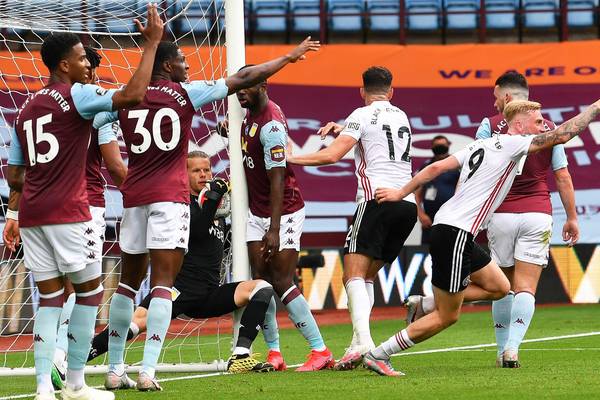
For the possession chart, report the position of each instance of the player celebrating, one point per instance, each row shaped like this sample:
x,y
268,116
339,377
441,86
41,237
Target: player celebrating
x,y
156,195
197,290
519,231
53,126
488,169
104,147
380,135
275,222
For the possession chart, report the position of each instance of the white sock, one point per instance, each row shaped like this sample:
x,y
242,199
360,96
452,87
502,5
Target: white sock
x,y
370,286
360,309
241,350
393,345
75,379
44,384
135,329
59,357
428,304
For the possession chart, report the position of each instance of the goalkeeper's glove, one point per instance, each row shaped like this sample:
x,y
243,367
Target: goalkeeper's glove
x,y
219,186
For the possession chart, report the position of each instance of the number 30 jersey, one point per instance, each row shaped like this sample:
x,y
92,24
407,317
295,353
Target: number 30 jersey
x,y
156,133
489,167
382,154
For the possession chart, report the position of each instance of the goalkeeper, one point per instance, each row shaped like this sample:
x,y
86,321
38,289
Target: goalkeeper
x,y
197,292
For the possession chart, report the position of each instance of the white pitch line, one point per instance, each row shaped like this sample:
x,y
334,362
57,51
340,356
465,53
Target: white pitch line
x,y
444,350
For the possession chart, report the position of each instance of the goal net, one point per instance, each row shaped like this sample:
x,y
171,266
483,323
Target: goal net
x,y
198,27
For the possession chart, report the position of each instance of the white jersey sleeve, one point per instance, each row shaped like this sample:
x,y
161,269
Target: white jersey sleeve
x,y
352,126
517,145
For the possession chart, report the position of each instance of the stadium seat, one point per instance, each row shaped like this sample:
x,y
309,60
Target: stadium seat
x,y
505,16
424,21
346,23
541,19
383,23
269,23
112,15
198,17
305,23
580,13
466,20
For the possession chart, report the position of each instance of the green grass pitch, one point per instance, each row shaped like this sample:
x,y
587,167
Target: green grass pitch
x,y
555,369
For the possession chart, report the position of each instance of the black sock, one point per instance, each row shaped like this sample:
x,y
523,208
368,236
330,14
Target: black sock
x,y
100,343
253,317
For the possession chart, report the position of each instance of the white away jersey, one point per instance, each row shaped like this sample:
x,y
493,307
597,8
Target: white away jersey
x,y
489,167
382,154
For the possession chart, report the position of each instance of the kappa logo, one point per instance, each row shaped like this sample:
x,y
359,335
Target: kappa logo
x,y
185,215
290,220
114,333
91,243
274,128
155,337
289,231
181,240
102,237
89,231
499,326
183,228
289,241
37,338
520,321
71,337
92,255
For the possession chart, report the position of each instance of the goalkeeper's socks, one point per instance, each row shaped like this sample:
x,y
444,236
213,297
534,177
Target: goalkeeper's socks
x,y
523,307
501,310
81,331
254,314
300,314
44,339
393,345
360,310
269,326
119,318
100,341
62,344
159,319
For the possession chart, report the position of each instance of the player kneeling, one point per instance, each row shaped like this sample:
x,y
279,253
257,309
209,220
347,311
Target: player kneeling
x,y
197,290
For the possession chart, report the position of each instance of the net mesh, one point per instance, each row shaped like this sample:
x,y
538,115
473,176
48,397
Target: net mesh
x,y
198,28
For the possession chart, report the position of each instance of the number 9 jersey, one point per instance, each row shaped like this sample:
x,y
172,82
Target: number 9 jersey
x,y
382,154
489,167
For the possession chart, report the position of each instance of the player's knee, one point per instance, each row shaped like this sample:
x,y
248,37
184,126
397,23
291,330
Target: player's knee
x,y
502,290
89,273
262,292
448,318
281,285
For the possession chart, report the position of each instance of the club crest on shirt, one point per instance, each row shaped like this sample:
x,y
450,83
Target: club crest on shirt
x,y
253,129
277,153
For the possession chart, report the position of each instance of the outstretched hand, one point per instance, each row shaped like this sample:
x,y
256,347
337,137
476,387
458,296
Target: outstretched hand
x,y
387,194
331,127
153,31
299,53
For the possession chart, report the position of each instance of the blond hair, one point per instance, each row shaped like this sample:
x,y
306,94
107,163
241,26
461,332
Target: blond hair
x,y
516,107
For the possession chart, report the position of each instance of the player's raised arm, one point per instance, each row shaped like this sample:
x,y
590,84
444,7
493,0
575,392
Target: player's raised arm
x,y
255,74
427,174
329,155
566,131
133,93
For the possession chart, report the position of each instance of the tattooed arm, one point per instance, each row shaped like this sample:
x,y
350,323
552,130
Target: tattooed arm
x,y
566,131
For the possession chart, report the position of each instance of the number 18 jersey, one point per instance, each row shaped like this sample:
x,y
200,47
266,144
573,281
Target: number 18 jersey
x,y
489,167
382,154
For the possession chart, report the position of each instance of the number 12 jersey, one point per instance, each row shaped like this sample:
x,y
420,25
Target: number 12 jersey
x,y
382,154
489,167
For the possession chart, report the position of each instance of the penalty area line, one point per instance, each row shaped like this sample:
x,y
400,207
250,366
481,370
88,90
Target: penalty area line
x,y
443,350
481,346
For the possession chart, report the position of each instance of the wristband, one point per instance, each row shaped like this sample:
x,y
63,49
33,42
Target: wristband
x,y
12,214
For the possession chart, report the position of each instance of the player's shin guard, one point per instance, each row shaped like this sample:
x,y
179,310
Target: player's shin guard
x,y
521,314
80,333
62,342
501,310
269,326
119,318
360,310
44,339
159,319
253,315
301,316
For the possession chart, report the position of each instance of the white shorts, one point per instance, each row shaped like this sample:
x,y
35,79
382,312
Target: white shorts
x,y
53,250
524,237
289,231
163,225
94,237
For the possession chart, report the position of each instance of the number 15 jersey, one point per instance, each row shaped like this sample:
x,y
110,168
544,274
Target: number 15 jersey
x,y
382,154
489,167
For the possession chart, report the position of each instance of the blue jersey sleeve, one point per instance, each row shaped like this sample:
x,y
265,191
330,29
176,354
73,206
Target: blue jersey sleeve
x,y
203,92
559,157
15,152
484,130
91,99
108,133
273,137
104,118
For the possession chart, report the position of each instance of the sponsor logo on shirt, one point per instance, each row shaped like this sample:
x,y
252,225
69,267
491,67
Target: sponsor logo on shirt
x,y
101,91
277,153
353,126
